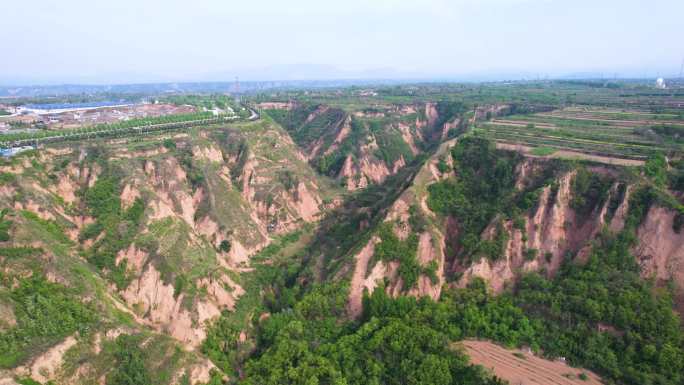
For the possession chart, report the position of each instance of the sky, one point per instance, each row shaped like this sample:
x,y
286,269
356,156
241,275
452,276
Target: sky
x,y
130,41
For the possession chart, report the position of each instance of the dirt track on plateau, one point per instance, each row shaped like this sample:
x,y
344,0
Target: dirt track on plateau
x,y
570,154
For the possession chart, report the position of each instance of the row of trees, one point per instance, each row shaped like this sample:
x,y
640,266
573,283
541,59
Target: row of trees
x,y
173,121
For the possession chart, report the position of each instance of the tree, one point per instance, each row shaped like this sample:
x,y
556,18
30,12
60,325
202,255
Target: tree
x,y
130,363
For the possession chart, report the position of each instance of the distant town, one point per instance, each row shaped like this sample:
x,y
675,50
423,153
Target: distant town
x,y
34,117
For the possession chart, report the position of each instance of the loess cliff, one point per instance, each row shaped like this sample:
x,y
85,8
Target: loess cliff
x,y
153,235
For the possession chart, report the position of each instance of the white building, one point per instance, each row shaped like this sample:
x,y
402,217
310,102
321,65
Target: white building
x,y
8,152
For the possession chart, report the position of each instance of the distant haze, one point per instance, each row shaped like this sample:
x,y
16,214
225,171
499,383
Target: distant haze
x,y
126,41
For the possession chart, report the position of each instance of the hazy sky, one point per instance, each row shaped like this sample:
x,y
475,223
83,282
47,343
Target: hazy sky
x,y
109,41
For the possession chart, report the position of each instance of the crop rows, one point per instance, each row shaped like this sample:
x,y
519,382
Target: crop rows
x,y
613,133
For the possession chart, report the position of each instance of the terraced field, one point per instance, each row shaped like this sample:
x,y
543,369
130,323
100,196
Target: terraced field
x,y
613,133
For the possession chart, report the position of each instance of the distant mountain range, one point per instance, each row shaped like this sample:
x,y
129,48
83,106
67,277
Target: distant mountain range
x,y
283,76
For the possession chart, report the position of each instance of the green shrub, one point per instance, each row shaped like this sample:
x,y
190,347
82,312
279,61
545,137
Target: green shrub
x,y
391,248
448,110
19,252
28,381
91,231
417,220
118,226
607,290
169,144
531,254
391,145
224,246
442,165
7,178
103,198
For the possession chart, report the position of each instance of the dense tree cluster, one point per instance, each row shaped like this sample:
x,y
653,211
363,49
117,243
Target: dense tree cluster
x,y
481,189
602,315
396,342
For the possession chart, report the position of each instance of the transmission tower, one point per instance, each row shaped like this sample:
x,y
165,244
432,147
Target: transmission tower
x,y
236,87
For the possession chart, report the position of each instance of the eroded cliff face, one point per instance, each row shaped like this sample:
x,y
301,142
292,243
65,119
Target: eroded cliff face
x,y
660,251
206,205
211,207
366,166
361,148
553,230
368,273
157,303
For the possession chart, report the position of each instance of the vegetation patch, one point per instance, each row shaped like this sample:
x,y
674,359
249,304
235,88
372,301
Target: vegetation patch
x,y
391,145
130,360
448,110
482,189
5,225
644,341
589,191
45,313
543,151
393,343
7,178
117,225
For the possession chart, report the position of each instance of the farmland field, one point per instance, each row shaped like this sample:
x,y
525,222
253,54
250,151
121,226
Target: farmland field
x,y
614,133
518,367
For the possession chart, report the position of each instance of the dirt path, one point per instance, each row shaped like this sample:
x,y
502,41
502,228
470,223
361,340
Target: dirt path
x,y
522,123
617,122
525,368
568,154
